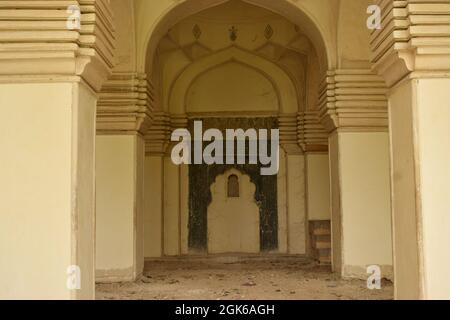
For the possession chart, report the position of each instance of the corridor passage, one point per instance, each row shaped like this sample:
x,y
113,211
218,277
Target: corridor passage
x,y
241,278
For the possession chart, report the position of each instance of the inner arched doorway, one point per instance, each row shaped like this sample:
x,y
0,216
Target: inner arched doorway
x,y
236,65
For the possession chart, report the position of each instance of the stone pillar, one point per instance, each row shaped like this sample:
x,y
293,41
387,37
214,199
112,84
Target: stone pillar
x,y
48,95
166,211
414,60
119,207
293,172
313,139
354,111
156,142
124,115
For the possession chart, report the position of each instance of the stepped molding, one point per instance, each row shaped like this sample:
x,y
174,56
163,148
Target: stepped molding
x,y
36,43
414,40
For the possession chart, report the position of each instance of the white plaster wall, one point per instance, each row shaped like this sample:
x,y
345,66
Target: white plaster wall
x,y
365,200
115,207
318,187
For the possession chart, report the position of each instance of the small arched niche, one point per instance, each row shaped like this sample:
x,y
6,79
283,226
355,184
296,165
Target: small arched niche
x,y
233,222
233,186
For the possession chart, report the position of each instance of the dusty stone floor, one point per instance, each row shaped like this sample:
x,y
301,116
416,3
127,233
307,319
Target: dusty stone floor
x,y
233,278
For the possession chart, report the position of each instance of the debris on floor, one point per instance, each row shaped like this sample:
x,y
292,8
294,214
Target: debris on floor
x,y
277,279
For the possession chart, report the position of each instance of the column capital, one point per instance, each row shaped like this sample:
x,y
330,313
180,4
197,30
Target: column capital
x,y
312,135
288,127
414,40
157,138
125,104
36,43
353,99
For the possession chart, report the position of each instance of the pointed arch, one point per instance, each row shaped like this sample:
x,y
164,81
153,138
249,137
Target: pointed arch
x,y
282,83
315,23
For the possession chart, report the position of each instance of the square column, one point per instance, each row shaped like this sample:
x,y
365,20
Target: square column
x,y
353,108
153,206
119,207
47,184
413,59
419,122
360,198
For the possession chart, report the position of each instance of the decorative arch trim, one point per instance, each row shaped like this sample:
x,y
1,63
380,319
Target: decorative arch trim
x,y
299,13
283,85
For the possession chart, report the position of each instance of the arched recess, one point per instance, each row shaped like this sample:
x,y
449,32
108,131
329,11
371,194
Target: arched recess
x,y
233,223
315,20
281,81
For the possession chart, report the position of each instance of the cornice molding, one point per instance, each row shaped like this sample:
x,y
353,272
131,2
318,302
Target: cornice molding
x,y
353,99
125,104
415,37
312,135
157,138
287,124
35,40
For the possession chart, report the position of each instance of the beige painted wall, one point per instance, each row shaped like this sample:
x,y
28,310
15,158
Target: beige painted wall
x,y
365,202
318,187
46,132
119,244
